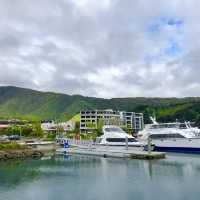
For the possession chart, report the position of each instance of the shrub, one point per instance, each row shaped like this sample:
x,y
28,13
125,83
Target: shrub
x,y
50,137
11,146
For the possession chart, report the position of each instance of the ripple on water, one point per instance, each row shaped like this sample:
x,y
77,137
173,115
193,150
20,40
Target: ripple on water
x,y
95,178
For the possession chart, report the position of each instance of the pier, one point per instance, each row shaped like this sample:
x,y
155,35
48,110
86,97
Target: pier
x,y
114,153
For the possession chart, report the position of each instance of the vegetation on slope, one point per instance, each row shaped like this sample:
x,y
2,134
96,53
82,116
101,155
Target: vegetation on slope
x,y
29,104
76,118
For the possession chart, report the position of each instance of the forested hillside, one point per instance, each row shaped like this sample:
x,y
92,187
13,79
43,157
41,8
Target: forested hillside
x,y
30,104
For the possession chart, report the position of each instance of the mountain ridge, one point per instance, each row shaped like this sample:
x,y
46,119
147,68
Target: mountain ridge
x,y
17,102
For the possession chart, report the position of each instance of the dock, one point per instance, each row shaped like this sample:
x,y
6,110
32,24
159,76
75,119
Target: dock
x,y
113,153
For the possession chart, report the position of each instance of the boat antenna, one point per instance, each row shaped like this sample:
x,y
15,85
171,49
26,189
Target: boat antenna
x,y
153,119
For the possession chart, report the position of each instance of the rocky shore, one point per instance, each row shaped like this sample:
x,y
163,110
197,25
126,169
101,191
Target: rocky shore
x,y
20,154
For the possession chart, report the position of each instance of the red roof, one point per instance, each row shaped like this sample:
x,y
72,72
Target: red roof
x,y
4,126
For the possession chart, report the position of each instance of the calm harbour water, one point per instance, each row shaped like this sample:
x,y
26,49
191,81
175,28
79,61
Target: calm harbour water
x,y
95,178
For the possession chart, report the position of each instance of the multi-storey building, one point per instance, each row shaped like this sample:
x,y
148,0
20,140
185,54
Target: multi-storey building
x,y
90,120
133,121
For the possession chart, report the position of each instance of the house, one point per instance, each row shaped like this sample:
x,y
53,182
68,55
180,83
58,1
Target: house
x,y
52,127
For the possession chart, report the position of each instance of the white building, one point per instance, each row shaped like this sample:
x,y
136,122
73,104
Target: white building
x,y
54,127
90,119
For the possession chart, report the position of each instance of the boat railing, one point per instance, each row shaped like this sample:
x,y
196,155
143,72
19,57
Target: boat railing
x,y
74,142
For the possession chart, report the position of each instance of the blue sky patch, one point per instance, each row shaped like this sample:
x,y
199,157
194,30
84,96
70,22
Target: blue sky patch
x,y
160,23
173,48
174,22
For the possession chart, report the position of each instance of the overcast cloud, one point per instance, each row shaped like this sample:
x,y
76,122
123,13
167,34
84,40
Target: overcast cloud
x,y
103,48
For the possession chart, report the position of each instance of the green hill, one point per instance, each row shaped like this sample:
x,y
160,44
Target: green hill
x,y
76,118
30,104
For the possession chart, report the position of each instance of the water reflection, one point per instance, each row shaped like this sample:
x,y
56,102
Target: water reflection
x,y
12,173
85,177
178,165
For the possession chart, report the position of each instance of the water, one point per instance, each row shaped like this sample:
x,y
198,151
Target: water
x,y
95,178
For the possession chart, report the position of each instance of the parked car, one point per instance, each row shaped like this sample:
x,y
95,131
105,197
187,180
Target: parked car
x,y
14,137
3,138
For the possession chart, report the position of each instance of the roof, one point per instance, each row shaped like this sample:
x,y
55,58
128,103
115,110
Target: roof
x,y
4,126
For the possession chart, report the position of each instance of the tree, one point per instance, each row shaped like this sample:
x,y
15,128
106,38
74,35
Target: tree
x,y
77,127
26,130
13,130
37,130
100,125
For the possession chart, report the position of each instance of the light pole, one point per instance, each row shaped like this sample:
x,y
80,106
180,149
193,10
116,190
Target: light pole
x,y
149,144
20,132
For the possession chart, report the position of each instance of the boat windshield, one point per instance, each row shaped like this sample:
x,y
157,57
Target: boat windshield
x,y
114,129
159,126
120,140
163,136
183,126
98,140
186,125
172,125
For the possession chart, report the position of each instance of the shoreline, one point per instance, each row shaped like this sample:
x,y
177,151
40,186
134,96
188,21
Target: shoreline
x,y
15,151
21,154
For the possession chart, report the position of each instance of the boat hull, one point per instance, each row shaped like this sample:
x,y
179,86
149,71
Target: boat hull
x,y
122,145
192,150
178,145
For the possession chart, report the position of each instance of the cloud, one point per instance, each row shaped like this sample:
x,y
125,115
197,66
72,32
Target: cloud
x,y
107,48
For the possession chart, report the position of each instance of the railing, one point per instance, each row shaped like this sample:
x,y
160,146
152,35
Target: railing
x,y
74,142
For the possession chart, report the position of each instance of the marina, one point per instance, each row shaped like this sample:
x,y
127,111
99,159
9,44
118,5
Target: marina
x,y
114,142
99,100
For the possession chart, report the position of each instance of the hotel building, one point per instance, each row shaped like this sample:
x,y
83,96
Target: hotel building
x,y
90,119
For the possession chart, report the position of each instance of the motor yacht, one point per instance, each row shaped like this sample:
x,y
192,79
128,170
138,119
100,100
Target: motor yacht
x,y
116,136
172,137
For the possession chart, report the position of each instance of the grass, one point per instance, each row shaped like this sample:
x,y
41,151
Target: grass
x,y
76,118
11,146
50,137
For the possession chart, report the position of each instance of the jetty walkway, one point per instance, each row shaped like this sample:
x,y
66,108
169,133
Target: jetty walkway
x,y
89,148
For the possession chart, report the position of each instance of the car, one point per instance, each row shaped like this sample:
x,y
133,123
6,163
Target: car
x,y
3,138
14,137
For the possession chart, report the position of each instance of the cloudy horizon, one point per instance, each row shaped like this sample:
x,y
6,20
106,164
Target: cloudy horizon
x,y
107,48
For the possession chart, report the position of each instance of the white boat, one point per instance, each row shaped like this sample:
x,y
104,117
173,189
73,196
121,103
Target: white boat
x,y
115,136
172,137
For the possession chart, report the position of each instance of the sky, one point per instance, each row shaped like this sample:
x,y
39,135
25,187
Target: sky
x,y
102,48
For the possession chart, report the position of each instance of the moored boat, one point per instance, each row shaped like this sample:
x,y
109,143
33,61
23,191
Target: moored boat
x,y
172,137
115,136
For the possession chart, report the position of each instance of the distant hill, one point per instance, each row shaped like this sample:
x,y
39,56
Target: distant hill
x,y
23,103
